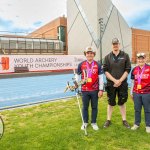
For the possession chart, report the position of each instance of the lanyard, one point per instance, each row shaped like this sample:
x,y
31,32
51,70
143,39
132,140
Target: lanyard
x,y
140,75
89,70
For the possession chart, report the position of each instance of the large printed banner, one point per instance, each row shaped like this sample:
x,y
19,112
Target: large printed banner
x,y
39,62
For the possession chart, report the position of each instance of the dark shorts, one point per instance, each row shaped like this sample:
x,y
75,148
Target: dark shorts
x,y
121,92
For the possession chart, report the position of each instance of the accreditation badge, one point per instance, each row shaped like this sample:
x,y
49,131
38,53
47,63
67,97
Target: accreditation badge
x,y
139,86
90,80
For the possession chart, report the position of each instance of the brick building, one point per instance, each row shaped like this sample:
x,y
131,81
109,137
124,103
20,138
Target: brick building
x,y
140,43
56,30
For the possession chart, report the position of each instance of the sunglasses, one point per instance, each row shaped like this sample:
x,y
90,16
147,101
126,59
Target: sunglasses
x,y
140,55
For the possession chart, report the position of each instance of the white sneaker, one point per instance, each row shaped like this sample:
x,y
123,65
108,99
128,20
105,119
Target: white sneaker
x,y
84,126
94,126
135,127
148,129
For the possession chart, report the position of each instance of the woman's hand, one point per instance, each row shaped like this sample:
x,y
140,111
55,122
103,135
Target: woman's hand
x,y
100,94
131,97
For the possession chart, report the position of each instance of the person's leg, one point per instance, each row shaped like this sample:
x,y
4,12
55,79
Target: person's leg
x,y
146,105
123,114
137,108
111,94
94,105
109,112
85,101
123,111
122,99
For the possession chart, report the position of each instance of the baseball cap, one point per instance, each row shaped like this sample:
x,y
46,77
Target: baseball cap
x,y
141,55
115,41
89,49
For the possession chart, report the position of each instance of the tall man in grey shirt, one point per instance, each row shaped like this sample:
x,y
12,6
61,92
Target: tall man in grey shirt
x,y
117,67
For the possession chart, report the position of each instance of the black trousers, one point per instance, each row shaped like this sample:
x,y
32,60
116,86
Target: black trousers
x,y
87,97
121,92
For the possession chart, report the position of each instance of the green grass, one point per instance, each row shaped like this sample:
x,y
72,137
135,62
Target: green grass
x,y
56,126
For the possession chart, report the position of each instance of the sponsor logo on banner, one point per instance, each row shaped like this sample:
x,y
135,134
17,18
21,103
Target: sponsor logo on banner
x,y
5,63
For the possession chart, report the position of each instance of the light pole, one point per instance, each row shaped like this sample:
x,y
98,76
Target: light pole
x,y
101,22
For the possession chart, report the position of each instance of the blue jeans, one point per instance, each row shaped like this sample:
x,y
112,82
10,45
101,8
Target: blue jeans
x,y
87,97
139,101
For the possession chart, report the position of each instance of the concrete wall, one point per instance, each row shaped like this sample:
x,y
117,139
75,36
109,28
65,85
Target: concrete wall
x,y
79,36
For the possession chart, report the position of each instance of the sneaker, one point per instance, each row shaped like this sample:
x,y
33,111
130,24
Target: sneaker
x,y
84,126
126,124
107,124
135,127
94,126
148,129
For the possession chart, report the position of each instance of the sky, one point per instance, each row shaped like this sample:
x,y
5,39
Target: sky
x,y
135,12
25,16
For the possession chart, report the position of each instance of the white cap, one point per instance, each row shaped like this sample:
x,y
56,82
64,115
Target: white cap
x,y
141,55
89,49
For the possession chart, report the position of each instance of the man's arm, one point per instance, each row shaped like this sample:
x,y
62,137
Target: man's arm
x,y
127,71
119,82
128,64
124,76
110,77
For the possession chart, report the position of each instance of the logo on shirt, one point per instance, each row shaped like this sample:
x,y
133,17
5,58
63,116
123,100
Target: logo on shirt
x,y
121,58
144,76
147,69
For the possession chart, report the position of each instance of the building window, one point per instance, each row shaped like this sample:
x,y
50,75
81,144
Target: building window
x,y
21,45
43,45
62,33
57,47
4,43
36,44
29,44
50,45
13,44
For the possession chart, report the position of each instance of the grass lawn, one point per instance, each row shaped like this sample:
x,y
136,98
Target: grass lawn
x,y
56,126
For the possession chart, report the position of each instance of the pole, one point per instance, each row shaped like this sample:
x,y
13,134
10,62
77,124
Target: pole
x,y
77,96
101,22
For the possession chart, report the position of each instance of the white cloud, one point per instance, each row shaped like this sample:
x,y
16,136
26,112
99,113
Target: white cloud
x,y
135,12
26,13
129,8
31,14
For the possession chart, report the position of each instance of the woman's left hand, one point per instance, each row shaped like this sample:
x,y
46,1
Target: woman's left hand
x,y
131,97
100,94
